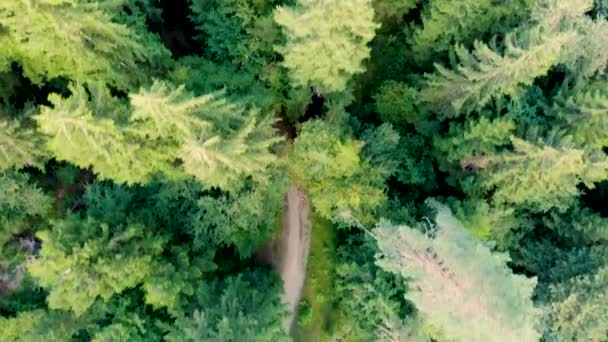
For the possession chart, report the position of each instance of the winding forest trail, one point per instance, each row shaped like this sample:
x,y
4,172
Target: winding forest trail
x,y
295,246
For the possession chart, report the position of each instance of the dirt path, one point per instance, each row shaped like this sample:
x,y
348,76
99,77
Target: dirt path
x,y
295,245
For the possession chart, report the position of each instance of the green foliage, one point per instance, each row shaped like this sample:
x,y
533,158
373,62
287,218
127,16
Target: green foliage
x,y
579,309
579,224
175,279
600,7
487,221
554,264
246,219
395,103
582,113
588,57
485,74
367,295
319,290
542,176
160,202
82,259
557,14
405,157
40,325
80,135
122,318
393,9
461,286
245,307
326,41
473,139
240,32
18,146
22,206
342,185
73,39
202,76
217,142
26,297
475,18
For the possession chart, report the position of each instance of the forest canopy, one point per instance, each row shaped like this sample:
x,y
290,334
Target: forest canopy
x,y
303,170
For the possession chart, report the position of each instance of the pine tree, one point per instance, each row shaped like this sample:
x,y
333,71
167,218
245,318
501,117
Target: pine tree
x,y
542,176
326,41
395,103
588,57
82,260
70,38
579,225
218,142
579,309
20,203
240,32
404,157
342,185
40,325
502,224
584,115
120,319
485,74
18,147
475,138
475,18
367,296
558,14
76,135
459,284
600,7
242,307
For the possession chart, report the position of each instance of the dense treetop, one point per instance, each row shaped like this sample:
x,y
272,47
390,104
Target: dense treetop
x,y
454,154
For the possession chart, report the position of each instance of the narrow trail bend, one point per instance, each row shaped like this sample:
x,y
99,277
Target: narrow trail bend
x,y
295,245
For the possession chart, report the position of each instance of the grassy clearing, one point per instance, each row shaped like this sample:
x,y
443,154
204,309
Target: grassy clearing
x,y
317,308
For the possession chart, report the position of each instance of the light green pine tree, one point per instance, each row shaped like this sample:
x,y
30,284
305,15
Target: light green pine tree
x,y
77,135
326,41
542,176
18,147
82,260
216,141
69,38
342,185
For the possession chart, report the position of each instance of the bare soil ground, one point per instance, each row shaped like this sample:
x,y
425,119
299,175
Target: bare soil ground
x,y
293,255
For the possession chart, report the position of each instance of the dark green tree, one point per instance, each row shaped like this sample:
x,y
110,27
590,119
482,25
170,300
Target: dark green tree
x,y
243,307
